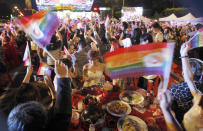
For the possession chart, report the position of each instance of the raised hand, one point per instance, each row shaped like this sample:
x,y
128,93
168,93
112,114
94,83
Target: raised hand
x,y
30,69
165,100
61,69
28,74
184,49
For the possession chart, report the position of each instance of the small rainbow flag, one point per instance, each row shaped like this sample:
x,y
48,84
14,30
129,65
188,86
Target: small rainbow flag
x,y
107,21
197,40
139,60
27,57
44,69
40,26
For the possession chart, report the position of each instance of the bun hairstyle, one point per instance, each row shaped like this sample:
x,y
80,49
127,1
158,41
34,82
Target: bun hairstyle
x,y
92,55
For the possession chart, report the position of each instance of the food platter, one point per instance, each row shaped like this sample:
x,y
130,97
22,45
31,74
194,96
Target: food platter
x,y
92,115
131,123
131,97
118,108
90,100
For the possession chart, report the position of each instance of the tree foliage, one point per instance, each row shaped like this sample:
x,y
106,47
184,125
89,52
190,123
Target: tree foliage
x,y
177,11
160,5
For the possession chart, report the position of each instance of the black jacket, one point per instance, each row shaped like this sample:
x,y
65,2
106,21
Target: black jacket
x,y
62,112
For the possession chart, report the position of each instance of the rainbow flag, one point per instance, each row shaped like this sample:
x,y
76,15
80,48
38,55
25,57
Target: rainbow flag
x,y
69,56
44,69
139,60
197,40
40,26
107,21
27,57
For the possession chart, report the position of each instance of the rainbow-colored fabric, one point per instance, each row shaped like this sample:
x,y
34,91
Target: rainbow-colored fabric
x,y
107,21
40,26
197,40
44,69
27,57
139,60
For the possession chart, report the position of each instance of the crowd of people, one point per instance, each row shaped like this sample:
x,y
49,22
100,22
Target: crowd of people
x,y
78,47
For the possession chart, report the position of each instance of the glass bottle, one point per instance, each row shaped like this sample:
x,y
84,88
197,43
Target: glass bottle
x,y
91,127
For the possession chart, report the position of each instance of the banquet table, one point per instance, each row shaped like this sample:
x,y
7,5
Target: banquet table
x,y
158,122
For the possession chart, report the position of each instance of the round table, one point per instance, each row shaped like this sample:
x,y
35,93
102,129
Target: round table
x,y
111,121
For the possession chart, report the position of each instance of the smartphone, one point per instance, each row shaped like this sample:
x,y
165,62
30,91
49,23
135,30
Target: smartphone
x,y
39,78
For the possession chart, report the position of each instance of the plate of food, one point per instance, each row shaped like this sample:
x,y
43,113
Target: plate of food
x,y
131,123
131,97
93,115
118,108
90,100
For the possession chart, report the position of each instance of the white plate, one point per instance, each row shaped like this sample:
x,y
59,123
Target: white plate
x,y
142,126
122,114
134,101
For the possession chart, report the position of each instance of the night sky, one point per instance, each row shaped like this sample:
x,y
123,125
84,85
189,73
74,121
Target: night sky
x,y
196,5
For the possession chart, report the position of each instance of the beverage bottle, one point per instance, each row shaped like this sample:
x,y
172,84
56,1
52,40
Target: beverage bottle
x,y
91,127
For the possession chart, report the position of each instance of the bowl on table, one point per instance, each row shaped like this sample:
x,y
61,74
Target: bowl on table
x,y
107,86
131,97
93,115
90,100
93,90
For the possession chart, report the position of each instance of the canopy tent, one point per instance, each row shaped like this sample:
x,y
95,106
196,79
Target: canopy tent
x,y
197,21
187,17
145,19
169,18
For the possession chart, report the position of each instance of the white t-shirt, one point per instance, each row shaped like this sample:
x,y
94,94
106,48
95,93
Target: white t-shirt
x,y
126,42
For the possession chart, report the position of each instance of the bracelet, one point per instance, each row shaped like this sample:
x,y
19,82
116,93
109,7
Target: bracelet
x,y
184,56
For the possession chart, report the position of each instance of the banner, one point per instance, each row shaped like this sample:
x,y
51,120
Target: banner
x,y
131,13
76,4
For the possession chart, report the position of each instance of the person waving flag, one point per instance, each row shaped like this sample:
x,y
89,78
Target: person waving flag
x,y
40,26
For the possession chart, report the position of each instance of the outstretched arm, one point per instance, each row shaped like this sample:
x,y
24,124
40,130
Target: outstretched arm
x,y
28,74
165,104
187,70
63,105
